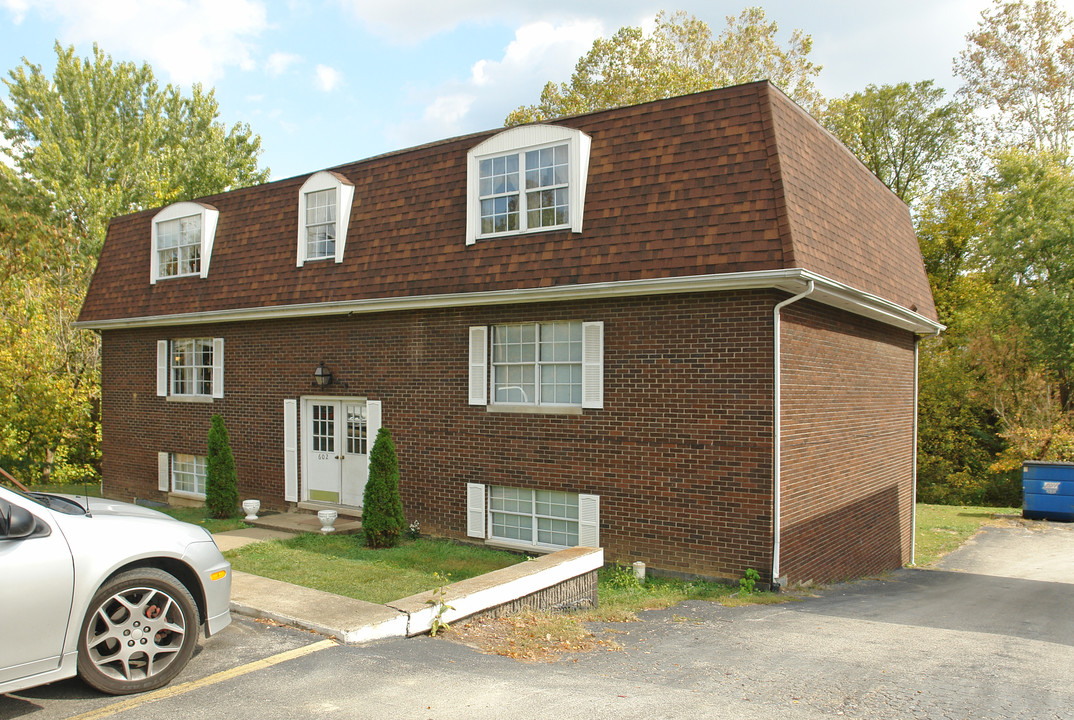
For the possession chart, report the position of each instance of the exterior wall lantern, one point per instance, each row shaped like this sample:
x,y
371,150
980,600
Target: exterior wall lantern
x,y
322,377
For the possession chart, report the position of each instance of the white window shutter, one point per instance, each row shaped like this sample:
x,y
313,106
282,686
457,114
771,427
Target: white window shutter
x,y
475,510
373,422
290,450
162,368
589,520
479,383
593,365
163,472
218,367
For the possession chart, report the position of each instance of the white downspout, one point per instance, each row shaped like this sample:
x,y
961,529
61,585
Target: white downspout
x,y
776,432
913,496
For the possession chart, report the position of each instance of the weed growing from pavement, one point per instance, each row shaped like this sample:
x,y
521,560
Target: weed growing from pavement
x,y
439,594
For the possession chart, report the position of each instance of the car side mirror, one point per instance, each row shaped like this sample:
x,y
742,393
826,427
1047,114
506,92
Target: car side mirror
x,y
20,523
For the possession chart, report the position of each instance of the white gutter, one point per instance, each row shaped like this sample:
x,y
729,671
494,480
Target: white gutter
x,y
776,397
792,280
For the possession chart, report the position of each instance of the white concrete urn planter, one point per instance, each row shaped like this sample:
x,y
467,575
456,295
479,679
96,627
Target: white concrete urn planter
x,y
250,507
327,518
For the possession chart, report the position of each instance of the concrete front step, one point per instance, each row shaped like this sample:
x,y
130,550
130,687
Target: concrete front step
x,y
303,522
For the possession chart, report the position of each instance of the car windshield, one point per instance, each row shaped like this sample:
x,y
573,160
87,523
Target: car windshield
x,y
59,503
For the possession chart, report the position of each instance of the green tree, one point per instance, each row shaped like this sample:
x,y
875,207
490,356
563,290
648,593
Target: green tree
x,y
101,139
221,481
904,133
959,434
95,140
1030,255
1018,72
382,509
681,56
49,371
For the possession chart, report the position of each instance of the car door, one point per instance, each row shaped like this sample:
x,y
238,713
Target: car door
x,y
35,593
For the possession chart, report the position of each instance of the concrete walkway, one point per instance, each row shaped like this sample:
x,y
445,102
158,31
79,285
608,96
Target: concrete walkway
x,y
356,621
345,618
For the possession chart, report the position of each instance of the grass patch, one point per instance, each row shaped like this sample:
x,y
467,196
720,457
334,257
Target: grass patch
x,y
943,528
341,564
91,489
200,516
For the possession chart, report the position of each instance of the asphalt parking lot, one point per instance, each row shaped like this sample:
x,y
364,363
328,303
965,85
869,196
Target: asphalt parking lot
x,y
986,635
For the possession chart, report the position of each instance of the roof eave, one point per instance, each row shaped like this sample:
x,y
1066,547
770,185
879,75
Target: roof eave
x,y
792,280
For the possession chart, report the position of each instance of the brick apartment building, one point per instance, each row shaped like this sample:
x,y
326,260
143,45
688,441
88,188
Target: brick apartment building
x,y
684,331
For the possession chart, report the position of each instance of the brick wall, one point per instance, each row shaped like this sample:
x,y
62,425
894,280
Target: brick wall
x,y
680,454
847,448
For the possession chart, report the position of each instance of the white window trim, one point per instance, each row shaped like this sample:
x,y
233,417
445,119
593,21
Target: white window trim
x,y
171,476
520,139
164,372
481,378
210,217
325,180
479,521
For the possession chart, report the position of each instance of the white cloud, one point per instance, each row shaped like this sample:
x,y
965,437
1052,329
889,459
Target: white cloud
x,y
411,21
17,8
328,78
185,40
449,109
279,62
538,53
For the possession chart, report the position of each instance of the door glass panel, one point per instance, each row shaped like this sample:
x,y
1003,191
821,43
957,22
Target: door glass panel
x,y
356,430
324,428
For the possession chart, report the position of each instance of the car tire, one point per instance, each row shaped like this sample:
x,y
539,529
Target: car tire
x,y
139,631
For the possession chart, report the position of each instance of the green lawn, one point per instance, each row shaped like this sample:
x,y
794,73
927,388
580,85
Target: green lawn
x,y
200,516
341,564
943,528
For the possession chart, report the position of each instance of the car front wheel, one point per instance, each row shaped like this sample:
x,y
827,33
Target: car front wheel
x,y
138,633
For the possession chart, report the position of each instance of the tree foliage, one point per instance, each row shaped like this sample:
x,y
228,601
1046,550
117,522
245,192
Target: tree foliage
x,y
94,140
48,370
221,480
382,509
680,56
101,139
1018,73
904,133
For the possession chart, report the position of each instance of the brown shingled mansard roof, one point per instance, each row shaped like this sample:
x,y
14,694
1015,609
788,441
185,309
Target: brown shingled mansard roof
x,y
736,187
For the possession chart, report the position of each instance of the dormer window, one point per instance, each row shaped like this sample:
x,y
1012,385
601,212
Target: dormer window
x,y
324,211
527,179
182,237
179,246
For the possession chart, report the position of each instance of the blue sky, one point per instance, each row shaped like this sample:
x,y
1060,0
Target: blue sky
x,y
330,82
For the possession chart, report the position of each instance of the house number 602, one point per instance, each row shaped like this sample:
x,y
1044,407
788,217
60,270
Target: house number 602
x,y
326,456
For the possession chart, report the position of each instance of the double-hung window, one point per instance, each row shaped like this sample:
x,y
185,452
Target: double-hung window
x,y
527,179
540,200
183,474
324,211
182,236
553,365
179,246
190,368
321,224
537,363
548,519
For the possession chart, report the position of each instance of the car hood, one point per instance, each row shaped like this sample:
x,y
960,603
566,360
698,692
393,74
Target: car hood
x,y
104,506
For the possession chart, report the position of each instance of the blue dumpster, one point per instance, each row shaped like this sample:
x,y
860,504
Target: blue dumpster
x,y
1048,488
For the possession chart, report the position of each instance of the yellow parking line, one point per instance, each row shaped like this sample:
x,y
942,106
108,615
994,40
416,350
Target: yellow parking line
x,y
172,691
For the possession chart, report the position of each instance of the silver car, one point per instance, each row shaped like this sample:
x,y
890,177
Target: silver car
x,y
111,591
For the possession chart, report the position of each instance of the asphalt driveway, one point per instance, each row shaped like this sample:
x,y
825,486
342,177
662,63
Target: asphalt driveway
x,y
987,635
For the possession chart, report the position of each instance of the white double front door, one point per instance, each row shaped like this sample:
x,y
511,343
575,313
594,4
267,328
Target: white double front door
x,y
337,435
